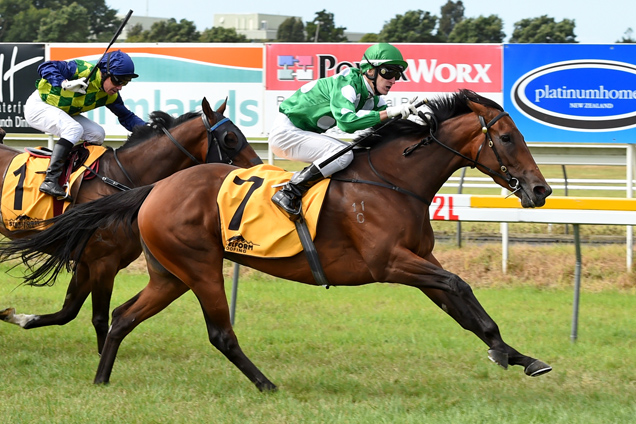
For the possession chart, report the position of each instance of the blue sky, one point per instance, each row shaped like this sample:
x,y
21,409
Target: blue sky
x,y
596,22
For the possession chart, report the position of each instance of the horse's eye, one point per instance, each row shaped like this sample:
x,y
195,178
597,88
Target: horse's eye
x,y
505,138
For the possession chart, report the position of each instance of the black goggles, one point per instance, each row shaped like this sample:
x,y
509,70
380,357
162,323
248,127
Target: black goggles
x,y
118,81
388,73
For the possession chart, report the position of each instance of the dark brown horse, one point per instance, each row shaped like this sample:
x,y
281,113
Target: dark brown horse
x,y
149,155
397,175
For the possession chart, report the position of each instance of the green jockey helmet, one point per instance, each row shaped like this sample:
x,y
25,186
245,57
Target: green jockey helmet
x,y
382,54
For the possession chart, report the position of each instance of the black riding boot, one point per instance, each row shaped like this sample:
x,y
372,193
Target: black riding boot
x,y
288,198
51,186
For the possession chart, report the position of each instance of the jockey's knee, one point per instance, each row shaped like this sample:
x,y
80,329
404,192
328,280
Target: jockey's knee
x,y
95,135
338,164
72,132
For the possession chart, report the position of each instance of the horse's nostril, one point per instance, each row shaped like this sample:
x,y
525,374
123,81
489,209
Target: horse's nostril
x,y
542,191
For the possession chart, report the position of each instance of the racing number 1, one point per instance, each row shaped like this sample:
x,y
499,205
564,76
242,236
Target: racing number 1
x,y
19,189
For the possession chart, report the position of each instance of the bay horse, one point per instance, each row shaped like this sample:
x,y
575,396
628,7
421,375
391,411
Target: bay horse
x,y
396,174
151,152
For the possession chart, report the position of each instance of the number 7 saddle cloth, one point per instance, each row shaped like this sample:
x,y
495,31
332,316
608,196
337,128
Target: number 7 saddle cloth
x,y
23,205
251,224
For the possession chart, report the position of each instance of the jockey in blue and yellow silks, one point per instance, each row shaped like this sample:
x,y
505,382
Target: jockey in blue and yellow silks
x,y
63,93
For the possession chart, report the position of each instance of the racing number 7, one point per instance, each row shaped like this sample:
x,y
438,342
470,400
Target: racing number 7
x,y
235,222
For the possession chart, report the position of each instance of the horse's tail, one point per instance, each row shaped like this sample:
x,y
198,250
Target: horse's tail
x,y
61,244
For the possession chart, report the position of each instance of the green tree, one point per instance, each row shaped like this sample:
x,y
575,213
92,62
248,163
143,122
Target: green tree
x,y
59,25
478,30
102,20
627,37
23,25
171,31
135,34
370,38
222,35
327,30
543,29
23,20
452,13
291,30
415,26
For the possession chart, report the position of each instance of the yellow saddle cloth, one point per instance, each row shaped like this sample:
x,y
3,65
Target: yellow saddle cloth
x,y
24,206
251,224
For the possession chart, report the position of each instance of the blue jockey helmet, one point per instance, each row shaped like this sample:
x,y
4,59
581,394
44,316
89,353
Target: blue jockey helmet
x,y
119,64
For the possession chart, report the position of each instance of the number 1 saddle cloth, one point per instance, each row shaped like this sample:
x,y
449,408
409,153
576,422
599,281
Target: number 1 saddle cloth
x,y
23,205
251,224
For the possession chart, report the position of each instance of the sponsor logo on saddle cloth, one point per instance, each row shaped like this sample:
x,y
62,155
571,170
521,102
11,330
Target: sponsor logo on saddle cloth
x,y
251,224
23,205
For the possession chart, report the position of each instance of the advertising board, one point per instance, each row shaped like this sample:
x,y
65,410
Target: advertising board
x,y
18,73
433,69
174,78
572,92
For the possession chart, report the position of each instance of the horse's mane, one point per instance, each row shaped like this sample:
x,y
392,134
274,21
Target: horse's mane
x,y
456,104
443,107
157,120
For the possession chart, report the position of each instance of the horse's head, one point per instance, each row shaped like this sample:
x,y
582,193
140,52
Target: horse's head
x,y
499,150
226,142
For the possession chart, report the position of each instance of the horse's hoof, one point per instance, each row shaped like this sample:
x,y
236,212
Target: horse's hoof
x,y
7,314
267,387
537,368
499,358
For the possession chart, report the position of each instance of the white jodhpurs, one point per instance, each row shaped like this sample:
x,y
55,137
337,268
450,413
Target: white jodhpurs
x,y
49,119
290,142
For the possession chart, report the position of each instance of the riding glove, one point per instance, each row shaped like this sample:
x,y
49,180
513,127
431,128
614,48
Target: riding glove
x,y
77,86
403,110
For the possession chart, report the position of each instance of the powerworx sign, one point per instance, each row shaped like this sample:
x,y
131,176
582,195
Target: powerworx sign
x,y
580,93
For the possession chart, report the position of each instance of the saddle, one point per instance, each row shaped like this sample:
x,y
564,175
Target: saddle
x,y
23,206
251,224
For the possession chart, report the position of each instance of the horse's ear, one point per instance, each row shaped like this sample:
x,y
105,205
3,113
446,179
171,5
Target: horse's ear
x,y
207,110
221,108
479,109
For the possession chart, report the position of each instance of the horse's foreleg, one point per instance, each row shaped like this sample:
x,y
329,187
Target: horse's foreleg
x,y
101,295
457,299
151,300
462,305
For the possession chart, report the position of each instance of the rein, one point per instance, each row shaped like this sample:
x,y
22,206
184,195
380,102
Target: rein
x,y
387,184
211,138
513,183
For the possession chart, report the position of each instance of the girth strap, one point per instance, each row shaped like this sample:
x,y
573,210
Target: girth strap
x,y
310,252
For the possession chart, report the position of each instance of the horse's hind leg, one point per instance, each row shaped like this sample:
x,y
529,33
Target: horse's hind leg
x,y
156,296
217,319
76,295
211,295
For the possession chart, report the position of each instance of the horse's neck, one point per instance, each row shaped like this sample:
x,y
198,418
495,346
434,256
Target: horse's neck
x,y
424,171
158,157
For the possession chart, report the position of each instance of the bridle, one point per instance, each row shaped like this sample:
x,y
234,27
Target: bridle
x,y
430,118
505,175
216,135
218,149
